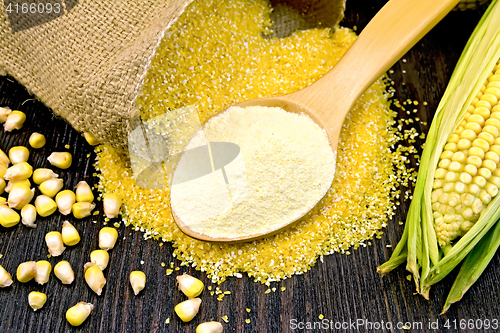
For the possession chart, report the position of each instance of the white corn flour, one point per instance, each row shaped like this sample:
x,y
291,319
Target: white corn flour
x,y
284,167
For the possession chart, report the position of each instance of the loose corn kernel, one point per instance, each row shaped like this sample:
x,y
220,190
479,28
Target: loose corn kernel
x,y
2,184
64,272
28,214
5,278
84,192
45,206
209,327
65,201
91,139
100,258
137,281
55,243
36,300
95,279
41,175
112,203
107,238
19,171
189,285
8,217
20,195
187,310
70,235
18,154
51,187
26,271
3,201
4,159
4,113
15,120
11,184
77,314
37,140
82,209
61,160
42,271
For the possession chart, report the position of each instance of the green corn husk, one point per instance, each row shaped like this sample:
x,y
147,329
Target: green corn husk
x,y
418,245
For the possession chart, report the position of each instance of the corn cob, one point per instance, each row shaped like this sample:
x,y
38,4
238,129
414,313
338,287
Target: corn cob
x,y
468,177
455,207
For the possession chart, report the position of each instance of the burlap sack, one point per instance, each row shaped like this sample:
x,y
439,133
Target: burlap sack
x,y
87,65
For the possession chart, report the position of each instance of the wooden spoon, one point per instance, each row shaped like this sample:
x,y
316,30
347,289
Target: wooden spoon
x,y
386,38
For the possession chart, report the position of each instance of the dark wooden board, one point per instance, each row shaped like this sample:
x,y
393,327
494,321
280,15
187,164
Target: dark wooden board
x,y
345,289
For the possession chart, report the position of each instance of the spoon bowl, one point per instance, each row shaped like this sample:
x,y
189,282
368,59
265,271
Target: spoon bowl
x,y
387,37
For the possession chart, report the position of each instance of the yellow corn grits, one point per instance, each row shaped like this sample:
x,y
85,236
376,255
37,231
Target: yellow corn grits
x,y
214,56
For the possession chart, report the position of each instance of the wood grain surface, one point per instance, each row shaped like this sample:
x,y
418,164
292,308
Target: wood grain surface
x,y
344,289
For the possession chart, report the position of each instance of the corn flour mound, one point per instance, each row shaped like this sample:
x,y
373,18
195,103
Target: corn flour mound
x,y
284,167
202,62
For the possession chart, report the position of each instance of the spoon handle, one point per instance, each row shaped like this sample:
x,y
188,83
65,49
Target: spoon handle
x,y
386,38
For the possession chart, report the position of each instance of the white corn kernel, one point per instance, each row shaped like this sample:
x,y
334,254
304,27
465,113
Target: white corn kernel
x,y
11,184
26,271
189,285
5,278
45,206
95,279
19,171
43,174
490,165
440,173
444,163
70,235
471,169
61,160
15,120
37,140
465,178
485,197
99,258
20,195
54,243
474,189
491,189
446,155
475,155
112,203
464,144
28,215
18,154
485,173
65,201
51,187
477,206
82,209
187,310
456,166
77,314
64,272
84,192
42,271
209,327
107,238
4,113
438,183
137,281
36,300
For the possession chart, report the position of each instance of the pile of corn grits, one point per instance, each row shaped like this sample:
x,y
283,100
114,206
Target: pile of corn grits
x,y
214,56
